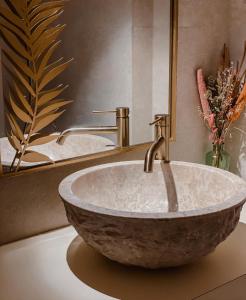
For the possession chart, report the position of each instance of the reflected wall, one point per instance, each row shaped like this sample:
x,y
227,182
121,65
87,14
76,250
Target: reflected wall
x,y
121,51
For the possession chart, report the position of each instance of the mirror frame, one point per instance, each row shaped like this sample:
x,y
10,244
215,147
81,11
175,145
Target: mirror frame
x,y
172,108
173,66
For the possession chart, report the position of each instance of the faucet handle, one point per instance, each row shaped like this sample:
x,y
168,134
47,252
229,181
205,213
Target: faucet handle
x,y
103,111
157,120
161,120
121,112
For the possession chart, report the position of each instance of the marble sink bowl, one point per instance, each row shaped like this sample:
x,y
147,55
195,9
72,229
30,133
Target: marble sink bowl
x,y
122,212
74,146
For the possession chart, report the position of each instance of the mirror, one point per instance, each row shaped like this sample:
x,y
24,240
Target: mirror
x,y
121,51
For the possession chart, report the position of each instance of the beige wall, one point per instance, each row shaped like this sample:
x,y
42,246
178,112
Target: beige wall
x,y
203,30
236,144
204,26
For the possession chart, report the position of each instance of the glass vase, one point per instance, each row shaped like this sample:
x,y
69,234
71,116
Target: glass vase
x,y
218,157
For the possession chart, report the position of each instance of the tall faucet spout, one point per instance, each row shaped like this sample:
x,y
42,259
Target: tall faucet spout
x,y
151,153
86,130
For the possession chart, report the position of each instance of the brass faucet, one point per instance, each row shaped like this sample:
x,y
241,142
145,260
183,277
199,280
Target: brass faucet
x,y
160,148
121,129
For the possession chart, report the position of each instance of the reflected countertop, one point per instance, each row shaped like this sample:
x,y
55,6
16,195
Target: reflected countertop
x,y
60,266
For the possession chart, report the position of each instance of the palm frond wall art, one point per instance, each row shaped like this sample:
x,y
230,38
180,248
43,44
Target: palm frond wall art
x,y
30,40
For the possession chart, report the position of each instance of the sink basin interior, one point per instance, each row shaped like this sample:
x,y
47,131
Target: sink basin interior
x,y
125,187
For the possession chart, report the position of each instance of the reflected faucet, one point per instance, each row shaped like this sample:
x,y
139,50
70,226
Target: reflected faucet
x,y
121,129
160,148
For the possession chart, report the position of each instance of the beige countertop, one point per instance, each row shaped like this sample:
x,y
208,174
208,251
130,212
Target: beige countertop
x,y
36,269
59,266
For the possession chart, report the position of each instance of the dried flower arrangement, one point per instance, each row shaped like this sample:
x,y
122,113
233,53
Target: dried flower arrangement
x,y
30,41
223,98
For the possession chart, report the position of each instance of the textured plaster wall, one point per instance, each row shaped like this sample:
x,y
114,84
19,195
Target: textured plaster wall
x,y
236,145
204,26
203,29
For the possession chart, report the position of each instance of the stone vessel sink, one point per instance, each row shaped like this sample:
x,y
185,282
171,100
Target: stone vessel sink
x,y
122,212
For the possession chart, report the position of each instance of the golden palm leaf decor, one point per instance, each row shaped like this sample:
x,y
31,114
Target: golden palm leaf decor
x,y
30,39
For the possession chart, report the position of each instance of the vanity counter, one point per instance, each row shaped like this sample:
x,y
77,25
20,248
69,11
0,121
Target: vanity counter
x,y
39,268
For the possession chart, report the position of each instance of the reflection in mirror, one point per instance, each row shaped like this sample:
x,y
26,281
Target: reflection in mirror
x,y
121,52
32,104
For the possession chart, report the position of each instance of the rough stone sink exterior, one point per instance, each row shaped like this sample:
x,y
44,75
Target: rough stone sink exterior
x,y
123,212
